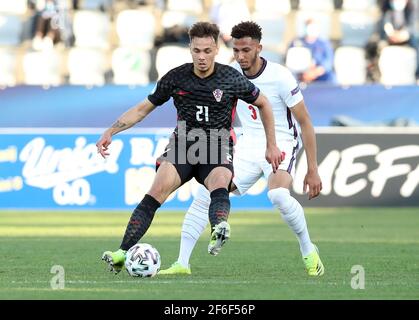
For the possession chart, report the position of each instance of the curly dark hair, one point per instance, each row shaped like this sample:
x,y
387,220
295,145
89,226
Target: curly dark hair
x,y
247,29
204,29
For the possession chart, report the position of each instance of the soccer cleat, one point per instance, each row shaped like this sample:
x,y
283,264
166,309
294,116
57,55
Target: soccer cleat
x,y
115,260
175,268
219,237
313,264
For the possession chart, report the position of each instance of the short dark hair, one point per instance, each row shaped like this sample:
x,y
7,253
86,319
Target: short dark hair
x,y
247,29
204,29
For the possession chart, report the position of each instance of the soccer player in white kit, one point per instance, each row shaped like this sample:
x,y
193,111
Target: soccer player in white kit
x,y
292,122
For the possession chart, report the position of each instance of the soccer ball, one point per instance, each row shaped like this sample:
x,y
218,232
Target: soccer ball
x,y
142,260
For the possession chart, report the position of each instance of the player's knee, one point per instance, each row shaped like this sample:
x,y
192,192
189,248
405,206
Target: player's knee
x,y
218,178
159,193
280,198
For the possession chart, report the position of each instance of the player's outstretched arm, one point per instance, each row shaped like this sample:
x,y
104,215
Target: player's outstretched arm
x,y
125,121
273,154
312,179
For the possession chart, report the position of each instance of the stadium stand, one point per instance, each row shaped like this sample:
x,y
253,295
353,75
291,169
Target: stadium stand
x,y
16,7
356,27
7,68
397,65
277,7
350,66
131,66
91,29
171,56
10,30
298,59
87,66
109,30
318,5
128,24
42,68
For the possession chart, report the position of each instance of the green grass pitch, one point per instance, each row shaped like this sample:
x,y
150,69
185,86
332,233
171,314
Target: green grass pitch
x,y
261,261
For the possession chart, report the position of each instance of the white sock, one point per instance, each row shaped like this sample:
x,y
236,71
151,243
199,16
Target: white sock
x,y
194,223
293,214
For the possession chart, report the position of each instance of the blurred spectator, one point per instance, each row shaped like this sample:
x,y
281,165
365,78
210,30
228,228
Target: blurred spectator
x,y
173,35
76,4
47,32
395,27
321,68
102,5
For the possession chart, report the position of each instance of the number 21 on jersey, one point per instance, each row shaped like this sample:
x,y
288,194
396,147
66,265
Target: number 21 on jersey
x,y
202,113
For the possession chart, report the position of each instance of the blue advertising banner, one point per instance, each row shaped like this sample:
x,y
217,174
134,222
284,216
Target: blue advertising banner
x,y
60,168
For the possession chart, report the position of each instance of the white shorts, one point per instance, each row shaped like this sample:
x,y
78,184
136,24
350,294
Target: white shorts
x,y
250,163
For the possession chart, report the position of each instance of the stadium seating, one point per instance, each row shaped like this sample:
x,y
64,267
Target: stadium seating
x,y
42,68
10,30
131,66
356,27
16,7
136,28
95,4
191,6
350,66
126,35
323,19
180,18
360,5
272,55
397,65
170,56
86,66
225,55
276,7
7,67
298,59
317,5
91,29
227,13
273,26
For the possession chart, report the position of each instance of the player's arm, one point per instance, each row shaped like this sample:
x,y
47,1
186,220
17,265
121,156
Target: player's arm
x,y
273,154
312,179
126,120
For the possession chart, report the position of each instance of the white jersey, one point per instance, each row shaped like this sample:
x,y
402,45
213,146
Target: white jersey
x,y
278,84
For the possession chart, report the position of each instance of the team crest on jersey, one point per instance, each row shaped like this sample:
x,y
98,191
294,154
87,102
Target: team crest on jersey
x,y
218,94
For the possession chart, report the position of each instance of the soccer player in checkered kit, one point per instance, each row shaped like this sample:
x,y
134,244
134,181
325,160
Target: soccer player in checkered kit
x,y
205,94
292,125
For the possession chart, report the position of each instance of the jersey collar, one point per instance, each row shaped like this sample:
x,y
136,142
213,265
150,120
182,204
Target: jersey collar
x,y
207,77
264,63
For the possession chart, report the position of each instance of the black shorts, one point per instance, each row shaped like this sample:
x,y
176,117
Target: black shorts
x,y
197,160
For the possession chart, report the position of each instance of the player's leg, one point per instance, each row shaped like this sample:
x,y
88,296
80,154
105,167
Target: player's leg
x,y
217,182
196,218
194,224
166,181
291,210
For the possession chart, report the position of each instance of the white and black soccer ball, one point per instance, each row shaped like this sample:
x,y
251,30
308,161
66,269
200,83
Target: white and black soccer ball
x,y
142,260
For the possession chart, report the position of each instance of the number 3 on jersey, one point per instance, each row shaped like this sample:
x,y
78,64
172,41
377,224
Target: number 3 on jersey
x,y
254,113
202,113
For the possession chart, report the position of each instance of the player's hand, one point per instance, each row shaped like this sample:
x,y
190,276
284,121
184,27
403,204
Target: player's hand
x,y
314,183
274,157
103,144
